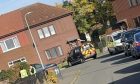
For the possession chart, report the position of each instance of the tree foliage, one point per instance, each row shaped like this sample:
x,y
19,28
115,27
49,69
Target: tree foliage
x,y
82,13
103,13
87,13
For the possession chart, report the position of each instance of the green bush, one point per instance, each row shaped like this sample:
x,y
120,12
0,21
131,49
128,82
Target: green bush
x,y
3,75
13,72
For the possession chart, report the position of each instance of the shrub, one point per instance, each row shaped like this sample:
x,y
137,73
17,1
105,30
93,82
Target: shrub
x,y
3,75
13,72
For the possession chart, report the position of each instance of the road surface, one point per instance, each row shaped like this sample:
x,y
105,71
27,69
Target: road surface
x,y
115,69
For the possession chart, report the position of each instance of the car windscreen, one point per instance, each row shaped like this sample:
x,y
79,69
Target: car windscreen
x,y
86,47
117,36
137,37
128,35
73,51
77,50
136,31
37,66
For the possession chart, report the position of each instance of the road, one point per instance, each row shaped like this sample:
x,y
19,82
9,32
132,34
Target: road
x,y
115,69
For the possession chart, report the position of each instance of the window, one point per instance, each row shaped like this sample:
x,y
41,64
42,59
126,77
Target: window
x,y
59,51
10,44
40,33
46,31
137,21
11,63
138,1
48,54
52,30
134,2
54,52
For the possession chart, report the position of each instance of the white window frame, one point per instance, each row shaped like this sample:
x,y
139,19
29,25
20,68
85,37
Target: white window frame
x,y
48,34
50,31
40,33
60,50
15,45
11,63
137,2
57,47
53,32
49,57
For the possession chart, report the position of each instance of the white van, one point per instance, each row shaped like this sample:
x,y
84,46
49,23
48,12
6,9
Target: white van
x,y
114,42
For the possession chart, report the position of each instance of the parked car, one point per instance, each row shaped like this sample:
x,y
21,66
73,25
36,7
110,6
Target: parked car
x,y
88,51
75,56
114,42
135,48
126,39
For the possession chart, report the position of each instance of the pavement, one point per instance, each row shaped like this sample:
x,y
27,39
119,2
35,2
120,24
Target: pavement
x,y
106,69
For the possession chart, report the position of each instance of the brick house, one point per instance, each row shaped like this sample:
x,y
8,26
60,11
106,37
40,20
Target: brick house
x,y
127,13
53,30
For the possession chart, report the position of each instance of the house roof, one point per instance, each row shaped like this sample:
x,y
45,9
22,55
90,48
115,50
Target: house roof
x,y
13,22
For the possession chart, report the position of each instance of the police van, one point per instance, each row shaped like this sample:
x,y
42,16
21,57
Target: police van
x,y
114,42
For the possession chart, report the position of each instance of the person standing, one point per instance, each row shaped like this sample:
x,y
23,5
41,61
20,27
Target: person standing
x,y
24,75
32,70
33,75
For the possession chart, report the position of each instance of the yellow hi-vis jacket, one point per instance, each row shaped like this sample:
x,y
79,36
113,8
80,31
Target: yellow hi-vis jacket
x,y
23,73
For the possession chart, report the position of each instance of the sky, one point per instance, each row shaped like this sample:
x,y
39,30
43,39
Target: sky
x,y
10,5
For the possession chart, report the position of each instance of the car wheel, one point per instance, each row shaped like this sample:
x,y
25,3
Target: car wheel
x,y
82,60
111,52
126,54
135,54
95,56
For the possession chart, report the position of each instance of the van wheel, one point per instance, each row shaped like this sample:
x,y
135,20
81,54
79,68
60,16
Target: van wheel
x,y
110,52
69,64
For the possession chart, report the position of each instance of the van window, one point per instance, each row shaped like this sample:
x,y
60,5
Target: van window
x,y
117,36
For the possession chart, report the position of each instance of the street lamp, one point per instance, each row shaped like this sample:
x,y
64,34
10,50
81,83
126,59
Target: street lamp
x,y
36,48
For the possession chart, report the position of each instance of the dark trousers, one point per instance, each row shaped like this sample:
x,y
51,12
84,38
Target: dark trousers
x,y
32,79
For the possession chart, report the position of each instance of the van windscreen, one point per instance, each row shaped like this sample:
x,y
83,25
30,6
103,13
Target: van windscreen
x,y
117,36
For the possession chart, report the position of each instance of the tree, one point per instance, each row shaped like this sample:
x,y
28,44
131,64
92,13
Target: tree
x,y
103,13
87,13
82,14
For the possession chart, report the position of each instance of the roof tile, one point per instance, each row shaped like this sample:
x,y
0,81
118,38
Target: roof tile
x,y
14,20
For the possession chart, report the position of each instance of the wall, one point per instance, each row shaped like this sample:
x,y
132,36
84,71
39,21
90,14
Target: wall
x,y
124,11
65,29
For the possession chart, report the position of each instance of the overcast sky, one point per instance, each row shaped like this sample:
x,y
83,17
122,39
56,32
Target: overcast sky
x,y
9,5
